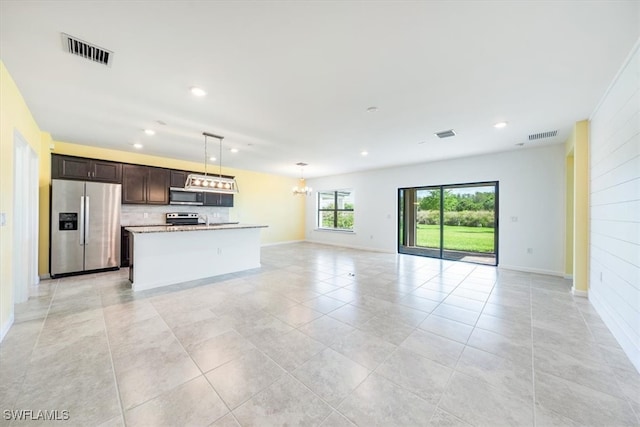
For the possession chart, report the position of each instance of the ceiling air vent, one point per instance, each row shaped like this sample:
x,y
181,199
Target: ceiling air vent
x,y
86,50
445,133
542,135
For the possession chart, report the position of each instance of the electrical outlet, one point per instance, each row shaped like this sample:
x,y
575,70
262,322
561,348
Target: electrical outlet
x,y
529,250
514,219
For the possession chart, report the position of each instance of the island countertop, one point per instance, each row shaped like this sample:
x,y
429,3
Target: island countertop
x,y
199,227
160,256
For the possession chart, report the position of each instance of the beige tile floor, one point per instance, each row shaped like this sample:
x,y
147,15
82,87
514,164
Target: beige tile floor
x,y
319,336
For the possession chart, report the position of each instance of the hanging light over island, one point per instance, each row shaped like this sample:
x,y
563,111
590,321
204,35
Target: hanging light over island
x,y
211,183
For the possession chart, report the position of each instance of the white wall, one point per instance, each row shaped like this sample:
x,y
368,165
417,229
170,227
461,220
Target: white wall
x,y
531,188
614,274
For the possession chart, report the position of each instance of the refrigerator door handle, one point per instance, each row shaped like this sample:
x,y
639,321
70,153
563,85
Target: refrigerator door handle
x,y
87,209
81,234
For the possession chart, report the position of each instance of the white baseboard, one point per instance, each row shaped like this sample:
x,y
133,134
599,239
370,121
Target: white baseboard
x,y
618,330
342,245
568,276
46,276
531,270
577,293
286,242
6,327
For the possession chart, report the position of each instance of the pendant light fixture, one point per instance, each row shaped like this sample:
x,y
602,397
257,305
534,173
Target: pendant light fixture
x,y
211,183
302,189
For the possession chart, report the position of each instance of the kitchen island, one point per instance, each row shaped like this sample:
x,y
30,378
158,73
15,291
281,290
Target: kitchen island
x,y
165,255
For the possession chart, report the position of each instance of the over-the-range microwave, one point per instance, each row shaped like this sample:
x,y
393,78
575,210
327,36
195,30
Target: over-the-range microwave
x,y
180,196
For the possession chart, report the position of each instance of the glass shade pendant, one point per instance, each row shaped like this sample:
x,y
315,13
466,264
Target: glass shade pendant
x,y
302,189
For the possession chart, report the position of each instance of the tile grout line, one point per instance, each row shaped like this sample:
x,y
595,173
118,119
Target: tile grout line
x,y
196,365
415,328
626,398
454,369
113,367
35,344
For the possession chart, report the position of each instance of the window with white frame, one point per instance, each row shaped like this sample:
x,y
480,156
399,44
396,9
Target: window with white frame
x,y
335,210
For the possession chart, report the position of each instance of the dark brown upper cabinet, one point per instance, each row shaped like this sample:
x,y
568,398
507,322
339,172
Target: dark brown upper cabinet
x,y
218,199
145,185
178,178
78,168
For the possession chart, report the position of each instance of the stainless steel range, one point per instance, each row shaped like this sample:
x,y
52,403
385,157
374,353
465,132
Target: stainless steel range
x,y
182,218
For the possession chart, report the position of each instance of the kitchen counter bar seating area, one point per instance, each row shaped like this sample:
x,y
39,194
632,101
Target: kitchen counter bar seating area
x,y
165,255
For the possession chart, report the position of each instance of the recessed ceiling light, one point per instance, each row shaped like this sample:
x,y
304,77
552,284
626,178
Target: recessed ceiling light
x,y
150,131
196,91
500,125
234,150
372,109
213,159
137,146
364,153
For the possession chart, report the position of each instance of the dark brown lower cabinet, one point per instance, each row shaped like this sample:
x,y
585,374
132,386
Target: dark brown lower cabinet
x,y
125,259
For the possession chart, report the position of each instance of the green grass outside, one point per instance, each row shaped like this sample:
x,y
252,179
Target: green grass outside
x,y
459,238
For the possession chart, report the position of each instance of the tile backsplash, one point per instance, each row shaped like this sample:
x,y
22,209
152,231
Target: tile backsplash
x,y
131,215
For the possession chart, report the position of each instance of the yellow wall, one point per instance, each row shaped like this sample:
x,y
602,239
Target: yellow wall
x,y
14,117
568,259
577,151
263,198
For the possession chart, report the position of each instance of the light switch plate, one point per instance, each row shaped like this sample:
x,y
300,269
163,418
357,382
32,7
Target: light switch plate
x,y
3,219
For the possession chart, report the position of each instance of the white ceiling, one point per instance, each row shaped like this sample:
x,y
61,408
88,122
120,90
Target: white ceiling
x,y
290,81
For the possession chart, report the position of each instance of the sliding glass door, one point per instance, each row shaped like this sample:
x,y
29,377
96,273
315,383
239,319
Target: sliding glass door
x,y
457,222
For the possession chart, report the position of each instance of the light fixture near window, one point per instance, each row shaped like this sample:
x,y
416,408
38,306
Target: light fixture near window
x,y
211,183
302,189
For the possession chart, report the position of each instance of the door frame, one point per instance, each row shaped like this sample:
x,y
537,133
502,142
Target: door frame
x,y
25,218
401,220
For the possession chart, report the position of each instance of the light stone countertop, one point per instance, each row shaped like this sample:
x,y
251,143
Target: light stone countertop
x,y
199,227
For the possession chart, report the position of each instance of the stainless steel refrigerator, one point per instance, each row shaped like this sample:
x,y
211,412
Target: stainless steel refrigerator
x,y
85,226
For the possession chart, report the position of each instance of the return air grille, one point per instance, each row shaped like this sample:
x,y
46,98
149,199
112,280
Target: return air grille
x,y
445,133
86,50
542,135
